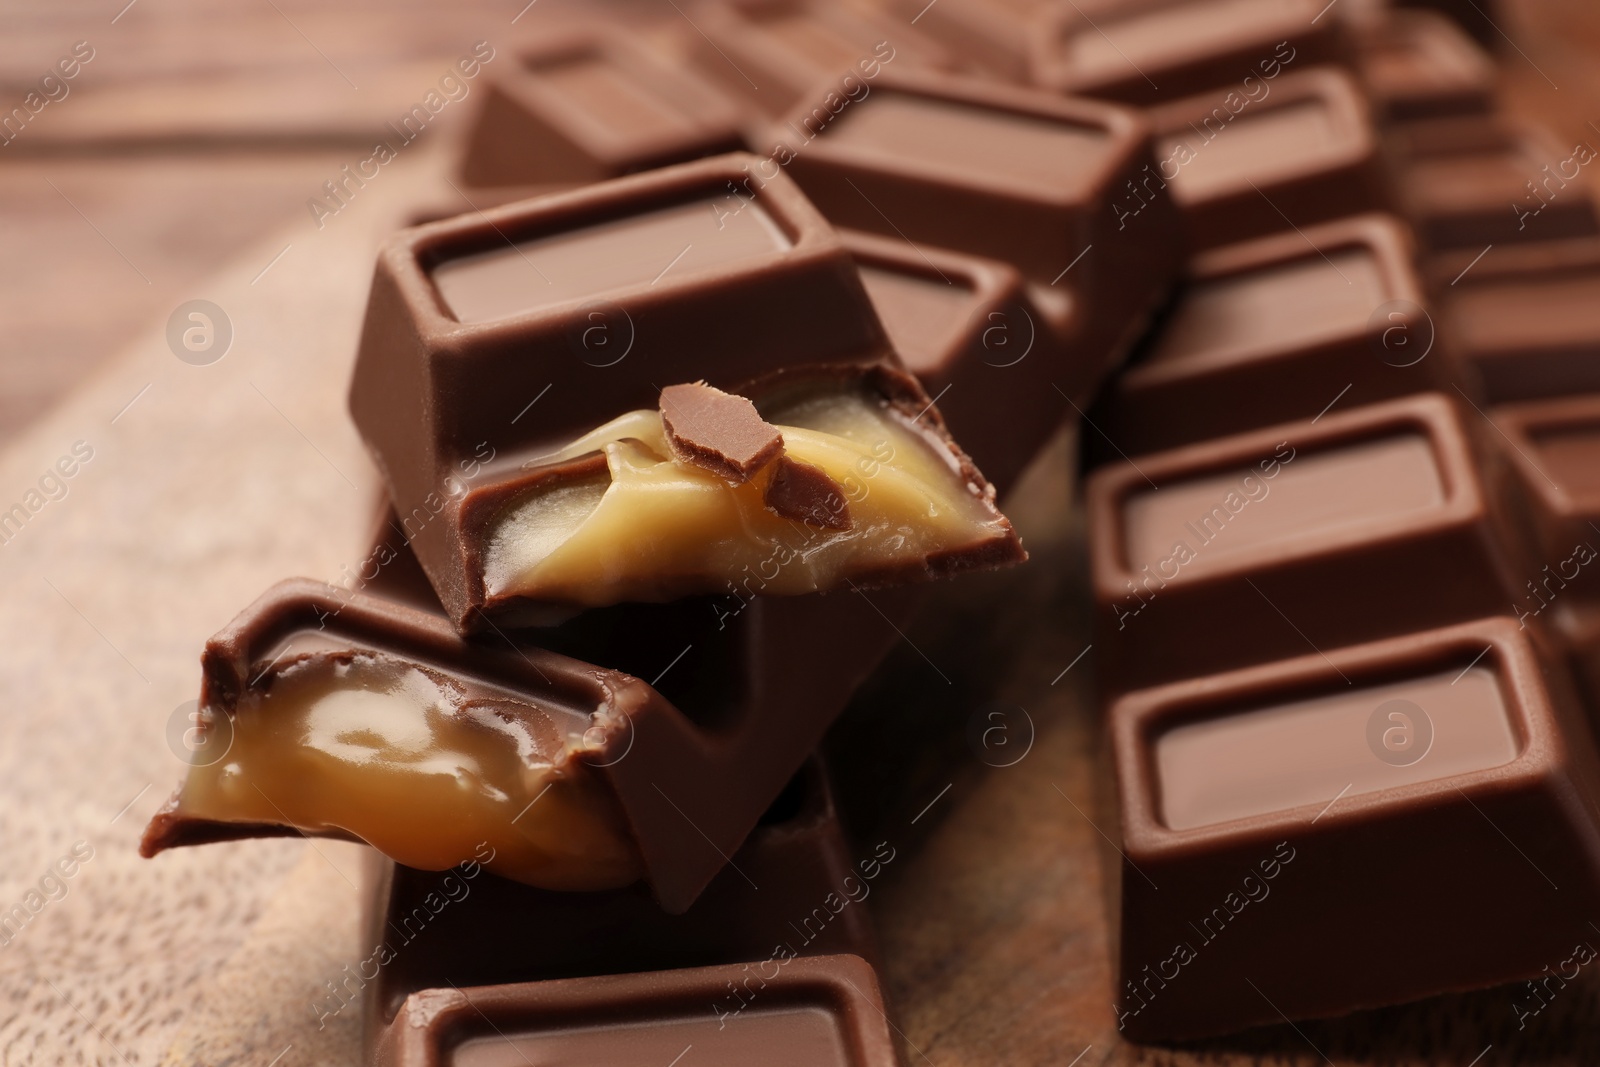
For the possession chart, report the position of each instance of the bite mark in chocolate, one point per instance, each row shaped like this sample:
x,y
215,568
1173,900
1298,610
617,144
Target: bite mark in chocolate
x,y
719,432
804,491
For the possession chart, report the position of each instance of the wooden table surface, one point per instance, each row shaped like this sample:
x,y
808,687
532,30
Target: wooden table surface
x,y
179,169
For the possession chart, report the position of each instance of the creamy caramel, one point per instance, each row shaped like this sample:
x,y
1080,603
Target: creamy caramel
x,y
651,527
421,766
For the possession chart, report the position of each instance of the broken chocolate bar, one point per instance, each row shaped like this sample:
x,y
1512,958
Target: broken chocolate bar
x,y
770,53
1297,151
821,1011
592,104
519,503
363,715
1279,814
1148,53
1277,329
1301,536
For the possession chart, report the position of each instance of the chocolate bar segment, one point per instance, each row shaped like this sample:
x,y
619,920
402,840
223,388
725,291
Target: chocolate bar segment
x,y
1298,535
822,1010
1295,803
1003,357
770,53
995,35
1554,450
1420,65
1530,188
1149,53
1292,152
593,298
592,104
1278,329
1532,329
661,781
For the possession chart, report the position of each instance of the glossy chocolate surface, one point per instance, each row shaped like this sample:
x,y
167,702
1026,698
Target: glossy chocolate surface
x,y
1420,65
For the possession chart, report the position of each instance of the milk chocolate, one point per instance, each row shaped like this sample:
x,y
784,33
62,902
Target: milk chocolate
x,y
1276,330
1292,152
591,104
1529,325
599,297
1003,357
994,35
1155,52
646,785
1421,65
1302,536
722,432
821,1011
1064,190
1278,814
1532,189
1553,447
770,53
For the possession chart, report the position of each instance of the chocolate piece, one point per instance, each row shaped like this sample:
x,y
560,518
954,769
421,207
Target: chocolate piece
x,y
1300,152
1554,449
1463,268
690,761
800,490
721,432
1530,190
995,35
1477,17
770,53
1064,190
496,931
472,321
1002,356
1302,536
1530,330
1278,329
593,104
1294,804
825,1011
1147,53
1420,65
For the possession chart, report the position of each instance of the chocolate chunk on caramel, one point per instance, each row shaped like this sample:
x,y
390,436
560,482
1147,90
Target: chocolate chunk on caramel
x,y
719,432
806,492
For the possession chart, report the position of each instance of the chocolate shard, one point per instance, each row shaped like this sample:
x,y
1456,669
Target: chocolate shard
x,y
803,491
720,432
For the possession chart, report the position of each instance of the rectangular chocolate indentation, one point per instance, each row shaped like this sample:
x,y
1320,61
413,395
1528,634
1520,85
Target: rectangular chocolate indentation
x,y
1240,317
986,146
1110,47
808,1036
605,257
1239,512
1311,751
1257,146
1569,454
612,97
919,313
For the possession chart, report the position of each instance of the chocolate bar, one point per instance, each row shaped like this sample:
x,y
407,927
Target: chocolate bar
x,y
1276,815
1282,154
1149,53
1064,190
770,53
1553,446
793,889
975,335
592,104
821,1010
1531,189
583,777
1275,330
1529,324
522,505
1301,536
994,35
1421,65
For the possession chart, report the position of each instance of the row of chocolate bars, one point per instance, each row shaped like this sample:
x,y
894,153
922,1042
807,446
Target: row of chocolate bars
x,y
657,411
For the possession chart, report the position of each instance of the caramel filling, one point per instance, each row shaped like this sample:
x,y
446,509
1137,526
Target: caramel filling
x,y
650,527
424,768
